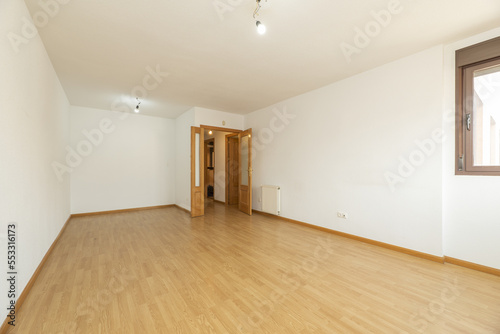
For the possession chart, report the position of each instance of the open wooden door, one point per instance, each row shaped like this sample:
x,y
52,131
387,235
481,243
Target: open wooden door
x,y
232,170
245,166
197,172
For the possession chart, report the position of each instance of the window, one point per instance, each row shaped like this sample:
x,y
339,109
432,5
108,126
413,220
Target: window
x,y
478,109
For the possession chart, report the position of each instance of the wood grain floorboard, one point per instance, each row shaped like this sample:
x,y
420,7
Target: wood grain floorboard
x,y
159,271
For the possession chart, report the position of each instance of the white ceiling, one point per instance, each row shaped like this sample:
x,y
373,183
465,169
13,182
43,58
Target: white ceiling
x,y
100,48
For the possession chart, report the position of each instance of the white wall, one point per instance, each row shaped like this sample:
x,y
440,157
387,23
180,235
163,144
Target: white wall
x,y
204,116
183,125
471,209
34,130
130,164
343,139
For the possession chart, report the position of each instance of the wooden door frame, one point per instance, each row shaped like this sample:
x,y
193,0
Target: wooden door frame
x,y
250,171
227,164
216,128
201,210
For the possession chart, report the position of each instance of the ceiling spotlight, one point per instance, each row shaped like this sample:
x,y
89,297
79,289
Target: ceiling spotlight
x,y
137,106
210,132
261,28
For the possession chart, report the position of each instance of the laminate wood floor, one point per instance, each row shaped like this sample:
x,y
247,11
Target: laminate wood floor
x,y
159,271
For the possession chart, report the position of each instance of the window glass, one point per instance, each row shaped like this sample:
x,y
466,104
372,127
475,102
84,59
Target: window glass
x,y
486,117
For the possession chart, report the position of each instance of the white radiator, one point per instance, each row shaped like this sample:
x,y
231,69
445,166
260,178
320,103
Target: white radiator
x,y
271,199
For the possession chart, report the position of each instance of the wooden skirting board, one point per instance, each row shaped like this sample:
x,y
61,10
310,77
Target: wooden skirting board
x,y
121,211
439,259
181,208
472,265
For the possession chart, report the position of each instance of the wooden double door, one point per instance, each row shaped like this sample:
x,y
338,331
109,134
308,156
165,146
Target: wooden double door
x,y
244,166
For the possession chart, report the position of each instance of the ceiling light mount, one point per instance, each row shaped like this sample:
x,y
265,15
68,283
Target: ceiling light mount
x,y
138,104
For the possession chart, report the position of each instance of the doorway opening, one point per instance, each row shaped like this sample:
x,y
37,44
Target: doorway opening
x,y
221,168
215,164
209,167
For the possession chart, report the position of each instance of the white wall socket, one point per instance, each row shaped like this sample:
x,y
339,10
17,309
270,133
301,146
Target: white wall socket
x,y
342,215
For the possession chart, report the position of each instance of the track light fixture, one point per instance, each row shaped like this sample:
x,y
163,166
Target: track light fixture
x,y
137,106
261,28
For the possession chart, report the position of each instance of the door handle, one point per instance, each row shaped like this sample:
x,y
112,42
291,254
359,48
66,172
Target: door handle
x,y
468,121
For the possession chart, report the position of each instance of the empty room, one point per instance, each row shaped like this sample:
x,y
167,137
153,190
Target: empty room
x,y
250,166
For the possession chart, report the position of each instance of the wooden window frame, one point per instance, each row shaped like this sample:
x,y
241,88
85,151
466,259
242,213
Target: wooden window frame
x,y
478,54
